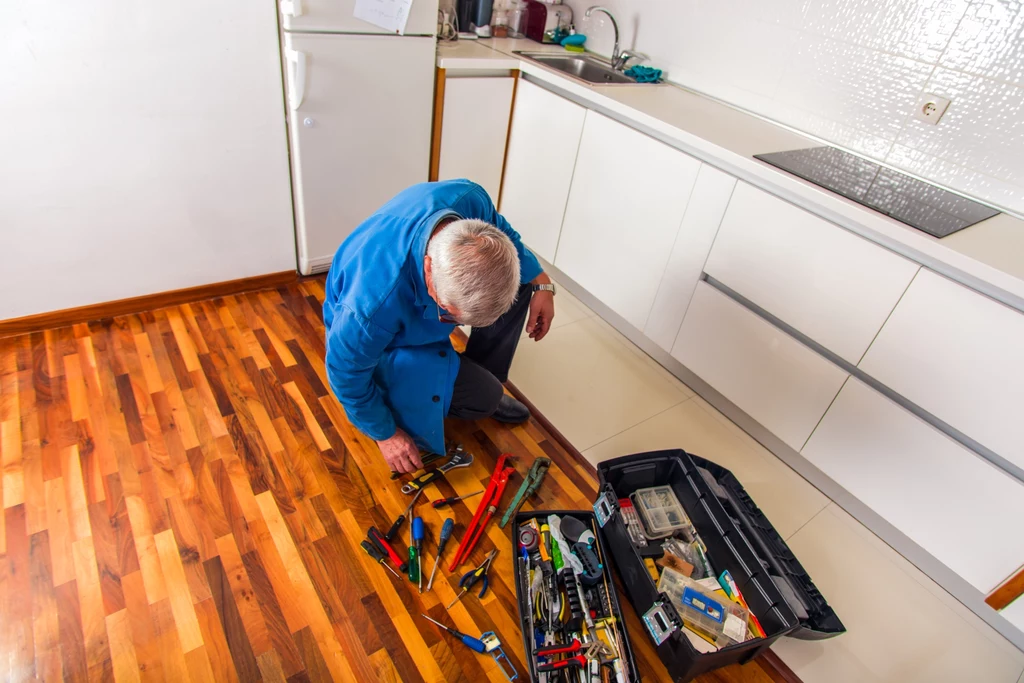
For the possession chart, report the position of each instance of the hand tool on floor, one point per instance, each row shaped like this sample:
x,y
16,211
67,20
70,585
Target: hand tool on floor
x,y
531,482
414,552
446,532
377,555
488,506
460,459
472,643
493,646
427,460
470,578
401,518
381,543
445,502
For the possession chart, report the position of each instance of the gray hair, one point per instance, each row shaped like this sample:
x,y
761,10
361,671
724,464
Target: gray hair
x,y
475,269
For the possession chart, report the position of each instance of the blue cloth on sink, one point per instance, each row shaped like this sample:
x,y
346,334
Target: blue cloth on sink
x,y
644,74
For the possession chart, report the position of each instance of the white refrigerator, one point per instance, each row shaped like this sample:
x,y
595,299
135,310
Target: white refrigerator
x,y
359,104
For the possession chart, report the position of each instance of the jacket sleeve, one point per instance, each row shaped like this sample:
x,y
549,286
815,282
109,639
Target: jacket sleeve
x,y
479,206
354,348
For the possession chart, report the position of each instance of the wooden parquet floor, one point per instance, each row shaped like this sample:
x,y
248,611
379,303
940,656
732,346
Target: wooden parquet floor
x,y
183,499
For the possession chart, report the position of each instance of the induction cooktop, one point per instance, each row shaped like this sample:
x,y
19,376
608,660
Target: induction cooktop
x,y
919,204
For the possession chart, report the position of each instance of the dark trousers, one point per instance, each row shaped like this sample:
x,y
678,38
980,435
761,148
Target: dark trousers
x,y
486,360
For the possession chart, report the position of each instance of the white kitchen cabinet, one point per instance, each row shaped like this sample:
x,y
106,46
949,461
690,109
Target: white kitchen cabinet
x,y
474,129
945,498
775,379
542,146
338,16
627,199
707,205
835,287
960,356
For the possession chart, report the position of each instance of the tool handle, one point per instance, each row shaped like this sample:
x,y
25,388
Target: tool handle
x,y
373,552
414,565
445,502
559,649
394,527
383,545
446,533
417,529
472,643
578,660
421,481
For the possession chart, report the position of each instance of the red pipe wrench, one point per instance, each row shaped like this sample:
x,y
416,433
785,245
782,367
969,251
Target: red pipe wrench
x,y
485,510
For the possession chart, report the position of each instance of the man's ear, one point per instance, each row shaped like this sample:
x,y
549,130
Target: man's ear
x,y
428,276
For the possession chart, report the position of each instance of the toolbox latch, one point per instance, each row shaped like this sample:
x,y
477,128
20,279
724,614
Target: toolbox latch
x,y
659,623
604,508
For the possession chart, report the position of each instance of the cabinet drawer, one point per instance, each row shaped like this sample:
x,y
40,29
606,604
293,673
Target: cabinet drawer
x,y
628,196
542,146
772,377
960,356
828,283
945,498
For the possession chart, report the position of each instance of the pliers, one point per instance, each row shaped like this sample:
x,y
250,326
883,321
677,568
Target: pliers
x,y
590,657
472,577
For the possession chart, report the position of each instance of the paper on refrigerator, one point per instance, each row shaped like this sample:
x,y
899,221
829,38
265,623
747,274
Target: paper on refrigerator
x,y
390,15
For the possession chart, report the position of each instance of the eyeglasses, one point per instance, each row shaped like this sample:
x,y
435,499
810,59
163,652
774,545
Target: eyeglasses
x,y
446,317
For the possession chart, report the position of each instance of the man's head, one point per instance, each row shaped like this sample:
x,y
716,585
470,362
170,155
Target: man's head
x,y
472,271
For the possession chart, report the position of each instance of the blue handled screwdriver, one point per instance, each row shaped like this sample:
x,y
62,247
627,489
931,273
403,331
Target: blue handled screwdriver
x,y
446,533
469,641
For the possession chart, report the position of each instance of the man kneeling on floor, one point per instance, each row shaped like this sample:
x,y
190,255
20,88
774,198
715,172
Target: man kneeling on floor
x,y
435,256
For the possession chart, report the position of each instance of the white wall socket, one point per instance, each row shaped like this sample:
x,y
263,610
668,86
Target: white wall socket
x,y
930,108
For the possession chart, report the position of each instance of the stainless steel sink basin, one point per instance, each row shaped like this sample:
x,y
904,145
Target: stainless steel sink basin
x,y
581,67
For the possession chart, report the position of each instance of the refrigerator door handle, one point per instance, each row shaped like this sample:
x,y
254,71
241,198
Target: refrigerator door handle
x,y
297,72
291,8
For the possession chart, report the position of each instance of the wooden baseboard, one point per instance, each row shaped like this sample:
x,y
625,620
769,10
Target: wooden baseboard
x,y
1006,593
70,316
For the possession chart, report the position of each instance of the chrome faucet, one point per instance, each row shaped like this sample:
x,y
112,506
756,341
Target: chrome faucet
x,y
616,55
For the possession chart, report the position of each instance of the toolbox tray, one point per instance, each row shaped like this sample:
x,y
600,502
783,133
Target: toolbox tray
x,y
586,516
738,548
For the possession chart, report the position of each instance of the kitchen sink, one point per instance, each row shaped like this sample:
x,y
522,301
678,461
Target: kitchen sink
x,y
581,67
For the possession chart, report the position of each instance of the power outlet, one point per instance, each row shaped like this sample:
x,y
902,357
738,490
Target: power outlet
x,y
930,108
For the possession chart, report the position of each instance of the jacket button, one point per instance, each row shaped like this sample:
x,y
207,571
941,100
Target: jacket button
x,y
442,353
436,399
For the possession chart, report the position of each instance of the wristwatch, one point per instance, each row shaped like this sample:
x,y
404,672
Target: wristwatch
x,y
544,288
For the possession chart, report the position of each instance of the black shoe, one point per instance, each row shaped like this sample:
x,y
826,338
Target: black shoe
x,y
511,411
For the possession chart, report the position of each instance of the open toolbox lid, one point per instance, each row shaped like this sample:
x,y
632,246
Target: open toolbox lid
x,y
802,610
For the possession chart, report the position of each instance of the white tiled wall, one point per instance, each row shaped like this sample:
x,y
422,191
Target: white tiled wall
x,y
851,72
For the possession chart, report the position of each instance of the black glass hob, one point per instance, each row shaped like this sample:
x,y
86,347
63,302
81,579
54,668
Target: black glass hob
x,y
920,205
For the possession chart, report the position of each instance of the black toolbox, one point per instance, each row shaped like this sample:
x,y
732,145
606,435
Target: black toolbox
x,y
739,538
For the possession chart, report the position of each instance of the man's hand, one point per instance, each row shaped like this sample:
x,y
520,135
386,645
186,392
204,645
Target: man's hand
x,y
542,312
401,453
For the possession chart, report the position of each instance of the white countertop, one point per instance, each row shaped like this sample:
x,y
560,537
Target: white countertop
x,y
988,256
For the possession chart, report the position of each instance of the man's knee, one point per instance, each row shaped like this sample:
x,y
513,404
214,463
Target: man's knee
x,y
476,393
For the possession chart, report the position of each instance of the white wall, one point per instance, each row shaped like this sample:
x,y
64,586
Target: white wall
x,y
142,149
851,72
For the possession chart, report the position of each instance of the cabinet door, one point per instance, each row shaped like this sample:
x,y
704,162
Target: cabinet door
x,y
627,200
775,379
474,129
945,498
338,16
542,148
696,234
835,287
357,139
960,356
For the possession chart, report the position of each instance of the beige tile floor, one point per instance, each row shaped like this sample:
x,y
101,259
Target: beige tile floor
x,y
610,399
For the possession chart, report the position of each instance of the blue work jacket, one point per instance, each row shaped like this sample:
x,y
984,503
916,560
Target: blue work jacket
x,y
389,358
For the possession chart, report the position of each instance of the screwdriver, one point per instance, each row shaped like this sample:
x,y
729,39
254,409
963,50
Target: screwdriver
x,y
443,502
446,532
382,545
414,552
379,556
469,641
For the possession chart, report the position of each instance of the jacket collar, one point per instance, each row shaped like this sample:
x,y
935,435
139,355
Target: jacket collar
x,y
419,252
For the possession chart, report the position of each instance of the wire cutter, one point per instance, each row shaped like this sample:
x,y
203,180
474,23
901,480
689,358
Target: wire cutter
x,y
473,576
